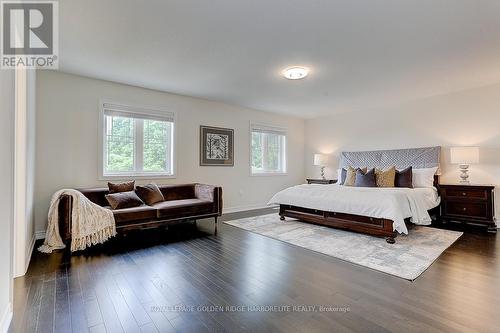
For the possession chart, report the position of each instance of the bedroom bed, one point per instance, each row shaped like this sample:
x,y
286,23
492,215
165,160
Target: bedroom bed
x,y
381,212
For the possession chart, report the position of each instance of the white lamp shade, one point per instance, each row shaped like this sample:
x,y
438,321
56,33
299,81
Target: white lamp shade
x,y
320,159
464,155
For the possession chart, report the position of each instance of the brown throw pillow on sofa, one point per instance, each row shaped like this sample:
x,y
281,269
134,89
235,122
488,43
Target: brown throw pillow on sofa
x,y
365,179
150,194
385,178
121,187
122,200
404,178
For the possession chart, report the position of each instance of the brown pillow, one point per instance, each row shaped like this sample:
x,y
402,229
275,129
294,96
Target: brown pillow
x,y
385,178
404,178
365,179
121,187
150,194
350,178
122,200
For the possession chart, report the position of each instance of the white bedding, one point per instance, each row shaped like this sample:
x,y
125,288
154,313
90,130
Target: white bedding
x,y
395,204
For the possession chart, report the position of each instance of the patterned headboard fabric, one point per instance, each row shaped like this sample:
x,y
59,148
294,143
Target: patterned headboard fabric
x,y
402,158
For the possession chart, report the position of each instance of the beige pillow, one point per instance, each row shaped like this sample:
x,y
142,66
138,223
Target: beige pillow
x,y
350,178
385,178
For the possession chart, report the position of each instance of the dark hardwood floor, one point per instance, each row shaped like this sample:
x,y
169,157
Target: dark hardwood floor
x,y
151,282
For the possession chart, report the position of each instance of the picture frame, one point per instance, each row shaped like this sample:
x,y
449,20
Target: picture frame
x,y
216,146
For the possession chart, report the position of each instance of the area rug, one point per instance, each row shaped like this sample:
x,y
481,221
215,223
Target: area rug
x,y
407,259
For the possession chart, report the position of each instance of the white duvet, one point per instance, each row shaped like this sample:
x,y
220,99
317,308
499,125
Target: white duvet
x,y
395,204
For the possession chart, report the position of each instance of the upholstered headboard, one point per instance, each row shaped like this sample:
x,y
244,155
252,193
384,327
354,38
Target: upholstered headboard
x,y
402,158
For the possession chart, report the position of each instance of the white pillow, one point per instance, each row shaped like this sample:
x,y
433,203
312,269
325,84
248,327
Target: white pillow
x,y
339,176
423,177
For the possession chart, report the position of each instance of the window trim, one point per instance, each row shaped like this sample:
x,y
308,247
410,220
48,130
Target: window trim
x,y
270,128
152,111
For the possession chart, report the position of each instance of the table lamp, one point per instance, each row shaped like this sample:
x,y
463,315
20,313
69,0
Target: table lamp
x,y
464,156
321,160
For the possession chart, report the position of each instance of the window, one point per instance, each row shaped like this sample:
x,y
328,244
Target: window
x,y
268,150
136,141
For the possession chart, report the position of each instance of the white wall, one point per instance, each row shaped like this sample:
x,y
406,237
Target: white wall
x,y
67,140
7,106
470,117
24,169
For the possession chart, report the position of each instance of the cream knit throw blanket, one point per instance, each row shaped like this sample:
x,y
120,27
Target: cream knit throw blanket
x,y
91,224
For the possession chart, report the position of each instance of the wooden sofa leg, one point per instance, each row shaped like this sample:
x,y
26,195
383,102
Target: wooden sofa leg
x,y
282,218
390,240
215,226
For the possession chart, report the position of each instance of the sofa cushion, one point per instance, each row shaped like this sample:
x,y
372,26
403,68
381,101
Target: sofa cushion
x,y
121,187
96,195
178,192
134,214
124,200
185,207
149,193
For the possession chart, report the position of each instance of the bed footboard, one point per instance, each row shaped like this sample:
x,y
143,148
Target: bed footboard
x,y
363,224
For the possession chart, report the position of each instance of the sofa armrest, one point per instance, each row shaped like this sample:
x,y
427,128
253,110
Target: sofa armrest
x,y
210,193
65,207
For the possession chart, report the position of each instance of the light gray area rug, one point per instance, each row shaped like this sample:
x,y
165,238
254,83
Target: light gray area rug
x,y
407,259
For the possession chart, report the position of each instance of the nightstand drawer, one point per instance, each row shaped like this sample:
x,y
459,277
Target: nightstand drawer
x,y
477,210
478,194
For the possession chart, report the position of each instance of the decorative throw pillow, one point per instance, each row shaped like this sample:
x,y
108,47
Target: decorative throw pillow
x,y
122,200
423,177
404,178
121,187
365,179
150,194
385,178
350,178
342,173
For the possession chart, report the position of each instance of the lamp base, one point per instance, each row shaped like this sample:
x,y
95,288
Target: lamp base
x,y
464,174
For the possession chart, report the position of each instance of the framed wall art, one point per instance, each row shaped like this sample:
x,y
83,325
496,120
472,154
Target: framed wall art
x,y
216,146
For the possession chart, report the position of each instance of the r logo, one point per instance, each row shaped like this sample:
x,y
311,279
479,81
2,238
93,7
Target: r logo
x,y
27,28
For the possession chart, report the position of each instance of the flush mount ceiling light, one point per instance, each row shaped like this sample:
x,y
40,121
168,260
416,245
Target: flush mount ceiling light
x,y
295,72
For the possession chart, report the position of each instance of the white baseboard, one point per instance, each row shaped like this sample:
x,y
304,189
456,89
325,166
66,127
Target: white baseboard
x,y
6,318
40,234
238,209
30,252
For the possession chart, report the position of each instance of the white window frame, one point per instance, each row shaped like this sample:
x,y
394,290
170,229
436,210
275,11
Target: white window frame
x,y
270,129
148,112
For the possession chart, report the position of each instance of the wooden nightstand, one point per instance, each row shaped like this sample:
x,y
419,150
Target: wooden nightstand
x,y
468,204
321,181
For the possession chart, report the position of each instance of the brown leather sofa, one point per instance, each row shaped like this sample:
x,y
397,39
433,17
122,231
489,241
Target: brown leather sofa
x,y
182,202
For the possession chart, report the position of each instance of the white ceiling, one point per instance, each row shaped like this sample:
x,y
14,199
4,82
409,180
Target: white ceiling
x,y
363,54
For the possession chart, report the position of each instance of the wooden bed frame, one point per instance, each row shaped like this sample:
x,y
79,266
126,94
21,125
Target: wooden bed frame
x,y
358,223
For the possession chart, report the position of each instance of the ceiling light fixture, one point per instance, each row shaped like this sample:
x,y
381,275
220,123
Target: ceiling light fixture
x,y
295,72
